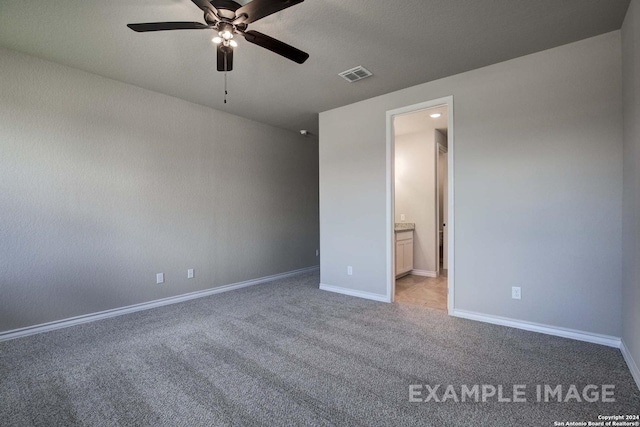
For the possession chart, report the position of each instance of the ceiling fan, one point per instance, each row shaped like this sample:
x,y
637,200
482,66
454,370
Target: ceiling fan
x,y
228,18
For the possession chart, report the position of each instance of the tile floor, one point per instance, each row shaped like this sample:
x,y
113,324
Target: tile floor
x,y
430,292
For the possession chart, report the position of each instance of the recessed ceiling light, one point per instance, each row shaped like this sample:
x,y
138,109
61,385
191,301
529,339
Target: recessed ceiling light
x,y
435,115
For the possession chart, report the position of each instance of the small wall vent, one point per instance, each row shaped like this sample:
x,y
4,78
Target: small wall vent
x,y
355,74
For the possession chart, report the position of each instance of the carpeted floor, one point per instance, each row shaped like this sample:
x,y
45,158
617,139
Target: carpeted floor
x,y
286,353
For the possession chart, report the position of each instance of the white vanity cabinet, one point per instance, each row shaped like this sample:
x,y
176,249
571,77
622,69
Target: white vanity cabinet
x,y
404,252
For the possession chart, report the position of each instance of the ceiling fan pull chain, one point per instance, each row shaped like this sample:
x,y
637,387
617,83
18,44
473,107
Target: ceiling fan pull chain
x,y
225,77
225,83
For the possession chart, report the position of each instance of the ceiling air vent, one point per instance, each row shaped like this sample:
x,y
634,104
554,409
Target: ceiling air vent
x,y
355,74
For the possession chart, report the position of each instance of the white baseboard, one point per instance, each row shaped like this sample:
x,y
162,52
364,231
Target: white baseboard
x,y
354,293
633,367
424,273
607,340
65,323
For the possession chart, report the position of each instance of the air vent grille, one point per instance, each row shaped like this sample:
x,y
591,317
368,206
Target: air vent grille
x,y
355,74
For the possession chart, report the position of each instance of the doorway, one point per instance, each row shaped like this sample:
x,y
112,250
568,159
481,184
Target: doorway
x,y
419,204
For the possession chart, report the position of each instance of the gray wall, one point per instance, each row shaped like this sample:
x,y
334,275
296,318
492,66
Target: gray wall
x,y
538,187
631,190
102,185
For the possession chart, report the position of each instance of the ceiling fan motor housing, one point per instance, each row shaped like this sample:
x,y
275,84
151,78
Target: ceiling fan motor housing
x,y
226,9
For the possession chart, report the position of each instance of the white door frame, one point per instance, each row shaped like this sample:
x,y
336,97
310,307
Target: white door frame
x,y
390,199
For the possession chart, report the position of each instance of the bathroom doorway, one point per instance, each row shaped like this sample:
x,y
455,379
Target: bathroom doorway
x,y
419,210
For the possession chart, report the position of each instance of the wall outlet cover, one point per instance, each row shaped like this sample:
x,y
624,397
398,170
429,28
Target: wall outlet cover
x,y
516,292
159,278
190,273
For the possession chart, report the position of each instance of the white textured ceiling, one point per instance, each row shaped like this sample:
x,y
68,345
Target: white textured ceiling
x,y
403,42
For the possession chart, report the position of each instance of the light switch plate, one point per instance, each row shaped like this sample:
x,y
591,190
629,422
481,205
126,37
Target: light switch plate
x,y
159,278
190,273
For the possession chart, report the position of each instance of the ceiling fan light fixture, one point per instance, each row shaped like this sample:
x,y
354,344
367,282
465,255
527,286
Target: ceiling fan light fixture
x,y
233,43
216,40
227,35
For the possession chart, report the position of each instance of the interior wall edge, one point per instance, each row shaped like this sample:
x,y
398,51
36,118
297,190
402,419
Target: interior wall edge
x,y
631,183
631,363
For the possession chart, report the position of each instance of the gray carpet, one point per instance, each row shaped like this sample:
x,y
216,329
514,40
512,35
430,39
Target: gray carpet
x,y
286,353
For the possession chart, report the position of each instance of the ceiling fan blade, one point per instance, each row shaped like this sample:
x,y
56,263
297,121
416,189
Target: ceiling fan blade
x,y
258,9
164,26
225,58
276,46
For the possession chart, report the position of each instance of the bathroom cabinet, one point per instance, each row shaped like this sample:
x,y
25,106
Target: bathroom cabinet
x,y
404,252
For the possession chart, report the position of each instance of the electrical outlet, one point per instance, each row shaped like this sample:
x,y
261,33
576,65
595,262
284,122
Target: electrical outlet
x,y
402,217
317,252
349,270
159,278
190,273
516,292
